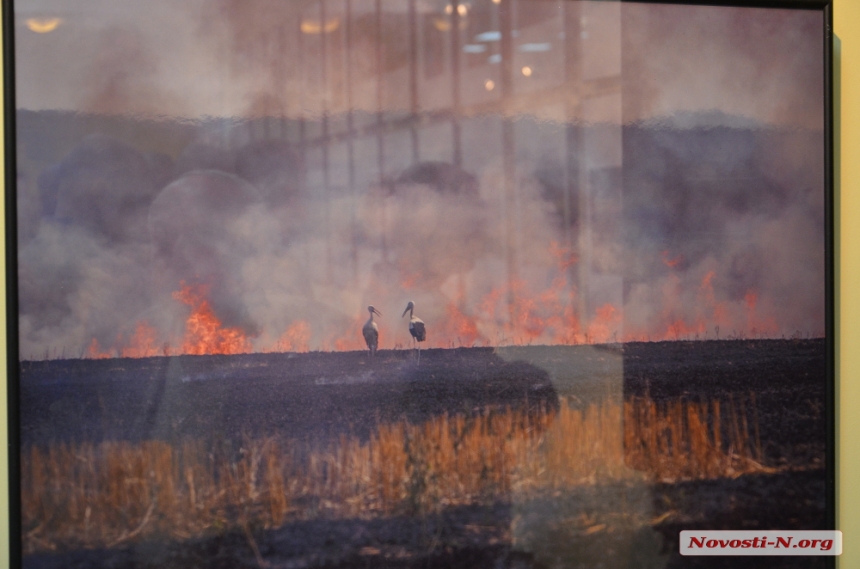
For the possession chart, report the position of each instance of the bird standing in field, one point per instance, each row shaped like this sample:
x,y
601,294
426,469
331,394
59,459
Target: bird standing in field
x,y
416,328
371,332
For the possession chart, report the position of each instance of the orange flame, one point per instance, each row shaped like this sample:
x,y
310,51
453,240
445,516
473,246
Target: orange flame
x,y
755,324
94,351
516,314
751,298
353,340
679,329
296,338
465,329
458,329
720,317
604,327
203,331
513,313
142,343
542,317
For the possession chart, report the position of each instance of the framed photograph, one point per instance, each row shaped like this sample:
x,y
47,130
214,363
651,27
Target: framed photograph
x,y
419,283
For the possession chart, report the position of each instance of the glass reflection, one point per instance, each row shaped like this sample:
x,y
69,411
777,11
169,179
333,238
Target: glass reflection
x,y
569,194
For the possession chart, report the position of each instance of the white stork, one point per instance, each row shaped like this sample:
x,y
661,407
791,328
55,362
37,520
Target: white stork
x,y
370,331
416,328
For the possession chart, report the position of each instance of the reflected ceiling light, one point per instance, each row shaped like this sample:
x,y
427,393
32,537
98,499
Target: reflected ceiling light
x,y
316,27
495,58
534,47
490,85
43,25
443,25
527,71
497,1
474,48
462,9
489,36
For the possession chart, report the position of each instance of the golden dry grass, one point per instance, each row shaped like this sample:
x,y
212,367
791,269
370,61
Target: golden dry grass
x,y
102,495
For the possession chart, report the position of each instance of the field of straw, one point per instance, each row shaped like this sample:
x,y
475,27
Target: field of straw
x,y
112,493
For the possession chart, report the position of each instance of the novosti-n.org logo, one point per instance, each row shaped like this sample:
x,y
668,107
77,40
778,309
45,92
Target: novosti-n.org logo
x,y
761,542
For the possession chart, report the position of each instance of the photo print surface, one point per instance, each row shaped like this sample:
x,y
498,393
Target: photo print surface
x,y
418,283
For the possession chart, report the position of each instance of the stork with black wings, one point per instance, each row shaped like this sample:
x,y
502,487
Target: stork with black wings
x,y
370,331
416,328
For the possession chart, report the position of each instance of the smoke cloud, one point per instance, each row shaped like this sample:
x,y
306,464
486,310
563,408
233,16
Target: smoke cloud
x,y
702,232
203,209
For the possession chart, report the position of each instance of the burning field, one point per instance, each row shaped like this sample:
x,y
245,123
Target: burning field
x,y
217,250
537,456
605,364
619,257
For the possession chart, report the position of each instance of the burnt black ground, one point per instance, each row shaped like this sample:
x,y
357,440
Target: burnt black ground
x,y
786,377
304,396
315,396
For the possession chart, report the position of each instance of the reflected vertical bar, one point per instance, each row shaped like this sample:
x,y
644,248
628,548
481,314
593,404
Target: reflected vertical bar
x,y
572,63
508,150
584,241
350,141
302,126
455,82
281,84
380,146
325,137
413,78
325,140
573,134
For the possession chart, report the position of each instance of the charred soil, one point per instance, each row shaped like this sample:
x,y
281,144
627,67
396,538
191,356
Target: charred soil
x,y
316,396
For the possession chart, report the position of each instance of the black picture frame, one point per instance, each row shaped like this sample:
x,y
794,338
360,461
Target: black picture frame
x,y
636,387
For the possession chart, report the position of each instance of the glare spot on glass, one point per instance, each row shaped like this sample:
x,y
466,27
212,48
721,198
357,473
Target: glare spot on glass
x,y
497,1
474,48
43,25
449,9
495,58
490,85
462,9
489,36
527,71
535,47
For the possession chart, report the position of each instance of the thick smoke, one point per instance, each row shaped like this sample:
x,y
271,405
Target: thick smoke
x,y
105,186
191,222
702,232
724,227
694,222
